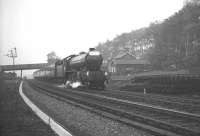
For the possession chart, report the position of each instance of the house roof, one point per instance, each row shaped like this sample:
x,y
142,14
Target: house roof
x,y
123,54
131,62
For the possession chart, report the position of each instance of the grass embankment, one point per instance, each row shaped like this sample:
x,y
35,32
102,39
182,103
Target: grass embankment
x,y
16,118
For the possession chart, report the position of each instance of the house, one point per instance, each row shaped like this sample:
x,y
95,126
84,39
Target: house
x,y
127,64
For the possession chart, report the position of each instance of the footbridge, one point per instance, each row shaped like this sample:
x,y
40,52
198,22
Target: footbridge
x,y
22,67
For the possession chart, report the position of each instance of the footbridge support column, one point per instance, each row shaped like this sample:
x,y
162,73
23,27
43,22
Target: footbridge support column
x,y
21,73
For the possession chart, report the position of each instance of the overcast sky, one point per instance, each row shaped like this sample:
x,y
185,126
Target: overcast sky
x,y
37,27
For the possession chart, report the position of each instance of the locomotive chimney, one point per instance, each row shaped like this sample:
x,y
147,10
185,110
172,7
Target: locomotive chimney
x,y
92,49
82,52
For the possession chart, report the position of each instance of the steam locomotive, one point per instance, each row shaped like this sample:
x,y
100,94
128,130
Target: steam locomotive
x,y
77,70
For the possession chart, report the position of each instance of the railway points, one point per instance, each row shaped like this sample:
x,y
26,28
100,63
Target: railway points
x,y
185,105
112,104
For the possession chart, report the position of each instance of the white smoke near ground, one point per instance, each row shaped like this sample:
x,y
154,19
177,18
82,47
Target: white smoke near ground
x,y
76,84
73,84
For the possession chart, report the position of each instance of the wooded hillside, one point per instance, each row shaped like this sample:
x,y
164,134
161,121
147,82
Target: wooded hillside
x,y
174,42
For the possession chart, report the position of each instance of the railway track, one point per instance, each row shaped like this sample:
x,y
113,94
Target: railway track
x,y
175,103
159,121
181,99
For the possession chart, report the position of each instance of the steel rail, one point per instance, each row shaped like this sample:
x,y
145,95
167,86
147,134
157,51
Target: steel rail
x,y
180,99
162,126
155,101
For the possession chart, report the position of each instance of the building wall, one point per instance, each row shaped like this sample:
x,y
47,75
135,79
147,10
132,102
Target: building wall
x,y
125,69
126,57
130,69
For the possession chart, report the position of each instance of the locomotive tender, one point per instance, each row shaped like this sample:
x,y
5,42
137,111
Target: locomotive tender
x,y
84,69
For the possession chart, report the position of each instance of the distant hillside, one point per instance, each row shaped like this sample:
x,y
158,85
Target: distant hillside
x,y
175,42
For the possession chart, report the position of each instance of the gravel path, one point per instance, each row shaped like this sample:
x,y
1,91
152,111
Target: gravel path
x,y
80,121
